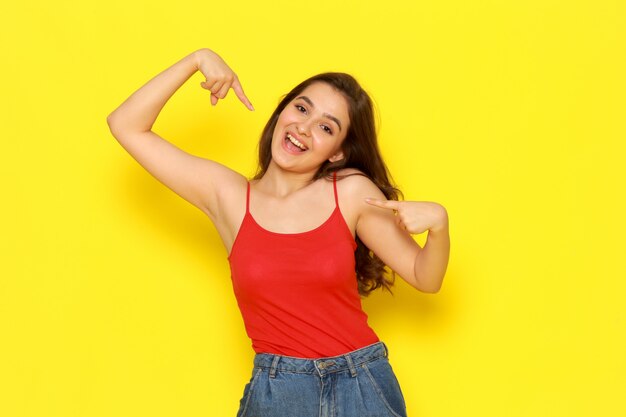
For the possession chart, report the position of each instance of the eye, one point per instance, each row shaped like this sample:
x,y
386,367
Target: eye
x,y
327,129
300,108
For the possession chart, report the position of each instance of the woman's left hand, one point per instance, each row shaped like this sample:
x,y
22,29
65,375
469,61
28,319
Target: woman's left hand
x,y
415,216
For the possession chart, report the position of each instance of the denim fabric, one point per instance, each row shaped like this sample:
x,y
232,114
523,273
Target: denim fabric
x,y
360,383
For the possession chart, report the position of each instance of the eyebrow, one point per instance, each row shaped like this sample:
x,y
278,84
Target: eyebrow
x,y
330,116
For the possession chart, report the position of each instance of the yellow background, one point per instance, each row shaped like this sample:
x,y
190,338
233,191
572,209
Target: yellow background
x,y
115,294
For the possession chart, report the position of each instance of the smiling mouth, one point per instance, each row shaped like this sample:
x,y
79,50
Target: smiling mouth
x,y
295,142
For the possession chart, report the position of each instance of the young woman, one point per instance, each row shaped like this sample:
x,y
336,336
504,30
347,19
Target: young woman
x,y
306,237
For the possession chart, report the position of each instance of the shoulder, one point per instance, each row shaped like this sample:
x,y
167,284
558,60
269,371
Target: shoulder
x,y
230,193
232,184
353,187
354,184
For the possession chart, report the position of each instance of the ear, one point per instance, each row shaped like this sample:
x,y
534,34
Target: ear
x,y
336,157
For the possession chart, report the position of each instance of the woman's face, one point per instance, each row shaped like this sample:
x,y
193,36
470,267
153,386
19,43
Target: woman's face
x,y
311,129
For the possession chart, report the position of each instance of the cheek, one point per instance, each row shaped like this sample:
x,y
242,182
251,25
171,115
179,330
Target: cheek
x,y
277,137
287,116
281,122
329,146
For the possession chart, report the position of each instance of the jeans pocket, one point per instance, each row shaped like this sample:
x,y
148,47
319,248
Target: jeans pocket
x,y
248,391
385,384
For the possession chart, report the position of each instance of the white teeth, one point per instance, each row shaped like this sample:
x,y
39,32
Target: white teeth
x,y
296,142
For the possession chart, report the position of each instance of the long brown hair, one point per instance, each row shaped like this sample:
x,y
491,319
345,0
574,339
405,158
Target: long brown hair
x,y
360,150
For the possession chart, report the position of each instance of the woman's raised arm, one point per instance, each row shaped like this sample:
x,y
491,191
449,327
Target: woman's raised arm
x,y
193,178
385,227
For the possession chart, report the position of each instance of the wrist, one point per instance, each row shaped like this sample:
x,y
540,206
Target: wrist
x,y
441,225
196,56
440,228
195,59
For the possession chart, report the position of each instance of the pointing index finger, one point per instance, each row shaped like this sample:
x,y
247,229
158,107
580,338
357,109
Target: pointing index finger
x,y
241,95
387,204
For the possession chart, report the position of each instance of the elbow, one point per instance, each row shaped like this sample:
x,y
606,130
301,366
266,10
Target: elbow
x,y
429,290
114,126
111,122
112,119
120,125
430,287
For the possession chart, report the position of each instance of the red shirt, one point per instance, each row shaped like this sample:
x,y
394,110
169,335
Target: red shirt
x,y
298,292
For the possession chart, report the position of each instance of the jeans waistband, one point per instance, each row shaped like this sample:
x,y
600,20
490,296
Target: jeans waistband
x,y
323,365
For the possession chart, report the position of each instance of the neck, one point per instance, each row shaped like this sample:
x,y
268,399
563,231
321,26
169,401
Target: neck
x,y
281,183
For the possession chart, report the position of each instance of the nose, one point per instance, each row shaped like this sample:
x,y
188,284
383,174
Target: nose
x,y
303,128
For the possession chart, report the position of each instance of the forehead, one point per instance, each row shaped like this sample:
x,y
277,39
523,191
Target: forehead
x,y
327,99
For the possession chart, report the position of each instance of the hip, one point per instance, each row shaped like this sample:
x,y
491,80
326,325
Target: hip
x,y
358,383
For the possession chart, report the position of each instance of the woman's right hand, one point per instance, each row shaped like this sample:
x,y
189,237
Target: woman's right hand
x,y
219,77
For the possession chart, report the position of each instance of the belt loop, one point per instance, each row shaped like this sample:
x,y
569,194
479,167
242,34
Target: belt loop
x,y
274,365
386,349
350,365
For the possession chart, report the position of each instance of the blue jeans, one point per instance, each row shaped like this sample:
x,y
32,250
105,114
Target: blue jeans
x,y
360,383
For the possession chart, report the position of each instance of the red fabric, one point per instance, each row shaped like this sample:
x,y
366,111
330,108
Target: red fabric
x,y
298,292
